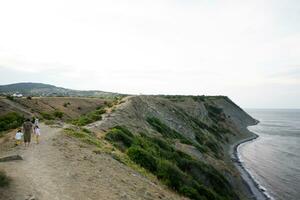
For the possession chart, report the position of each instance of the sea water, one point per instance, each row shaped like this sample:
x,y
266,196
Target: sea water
x,y
273,159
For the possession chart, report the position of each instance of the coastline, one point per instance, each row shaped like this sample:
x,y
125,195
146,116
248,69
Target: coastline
x,y
256,190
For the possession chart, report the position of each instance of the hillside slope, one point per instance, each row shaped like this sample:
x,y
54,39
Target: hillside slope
x,y
182,142
62,168
202,127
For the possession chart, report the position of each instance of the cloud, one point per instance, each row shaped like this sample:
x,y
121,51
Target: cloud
x,y
183,47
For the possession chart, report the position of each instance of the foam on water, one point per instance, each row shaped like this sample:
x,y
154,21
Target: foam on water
x,y
273,160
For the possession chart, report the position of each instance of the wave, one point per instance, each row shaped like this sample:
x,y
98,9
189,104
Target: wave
x,y
261,188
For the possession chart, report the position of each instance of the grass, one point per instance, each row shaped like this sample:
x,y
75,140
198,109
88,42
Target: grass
x,y
4,180
89,117
84,135
102,146
56,114
10,121
174,168
166,131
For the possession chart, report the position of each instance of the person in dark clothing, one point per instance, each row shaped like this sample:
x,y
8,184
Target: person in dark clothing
x,y
27,129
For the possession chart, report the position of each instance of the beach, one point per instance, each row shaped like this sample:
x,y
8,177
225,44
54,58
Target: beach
x,y
258,192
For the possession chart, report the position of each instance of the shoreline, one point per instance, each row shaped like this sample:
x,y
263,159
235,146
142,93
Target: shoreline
x,y
256,190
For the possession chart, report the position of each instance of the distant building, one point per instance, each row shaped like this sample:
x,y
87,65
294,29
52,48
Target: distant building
x,y
17,95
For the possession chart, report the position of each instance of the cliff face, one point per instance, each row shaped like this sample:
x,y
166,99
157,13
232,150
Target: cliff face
x,y
201,127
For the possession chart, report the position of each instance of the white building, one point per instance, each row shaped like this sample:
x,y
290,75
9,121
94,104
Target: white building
x,y
17,95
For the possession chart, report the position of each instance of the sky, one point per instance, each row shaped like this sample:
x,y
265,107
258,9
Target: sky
x,y
247,50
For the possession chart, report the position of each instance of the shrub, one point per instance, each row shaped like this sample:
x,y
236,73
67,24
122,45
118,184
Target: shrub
x,y
143,158
165,130
10,121
178,170
120,137
171,175
4,180
89,118
99,107
47,116
10,97
58,114
191,193
83,135
29,97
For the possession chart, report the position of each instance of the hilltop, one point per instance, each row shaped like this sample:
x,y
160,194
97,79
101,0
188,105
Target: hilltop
x,y
40,89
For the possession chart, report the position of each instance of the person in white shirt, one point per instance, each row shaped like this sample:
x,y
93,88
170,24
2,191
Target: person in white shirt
x,y
37,133
36,121
18,137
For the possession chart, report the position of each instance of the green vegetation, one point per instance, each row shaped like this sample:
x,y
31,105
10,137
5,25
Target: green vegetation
x,y
84,135
174,168
47,116
109,103
10,97
206,142
52,115
66,104
215,113
4,180
58,114
182,98
89,117
10,121
166,131
119,134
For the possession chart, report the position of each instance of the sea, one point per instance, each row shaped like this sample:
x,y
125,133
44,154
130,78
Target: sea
x,y
273,159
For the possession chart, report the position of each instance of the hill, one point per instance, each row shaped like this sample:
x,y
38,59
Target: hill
x,y
183,140
178,142
40,89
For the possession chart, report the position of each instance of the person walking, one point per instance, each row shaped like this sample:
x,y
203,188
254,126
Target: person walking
x,y
27,129
37,133
36,122
18,137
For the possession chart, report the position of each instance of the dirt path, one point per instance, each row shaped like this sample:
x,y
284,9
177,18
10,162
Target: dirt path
x,y
62,168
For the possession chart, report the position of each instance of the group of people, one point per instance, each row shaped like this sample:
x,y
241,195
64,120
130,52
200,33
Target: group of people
x,y
28,128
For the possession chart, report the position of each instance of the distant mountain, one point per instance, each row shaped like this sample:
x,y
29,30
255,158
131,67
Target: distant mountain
x,y
40,89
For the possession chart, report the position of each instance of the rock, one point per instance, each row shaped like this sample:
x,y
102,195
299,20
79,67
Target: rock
x,y
11,158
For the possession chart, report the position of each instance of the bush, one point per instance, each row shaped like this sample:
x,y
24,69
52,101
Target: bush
x,y
89,118
108,104
143,158
178,170
10,121
84,135
4,180
165,130
66,104
47,116
171,175
120,137
58,114
10,97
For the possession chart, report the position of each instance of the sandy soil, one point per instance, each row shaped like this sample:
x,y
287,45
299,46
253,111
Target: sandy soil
x,y
62,168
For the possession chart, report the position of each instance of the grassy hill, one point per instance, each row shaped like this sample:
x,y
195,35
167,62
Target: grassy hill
x,y
40,89
182,140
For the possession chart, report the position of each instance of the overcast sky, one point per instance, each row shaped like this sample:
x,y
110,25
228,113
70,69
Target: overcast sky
x,y
247,50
